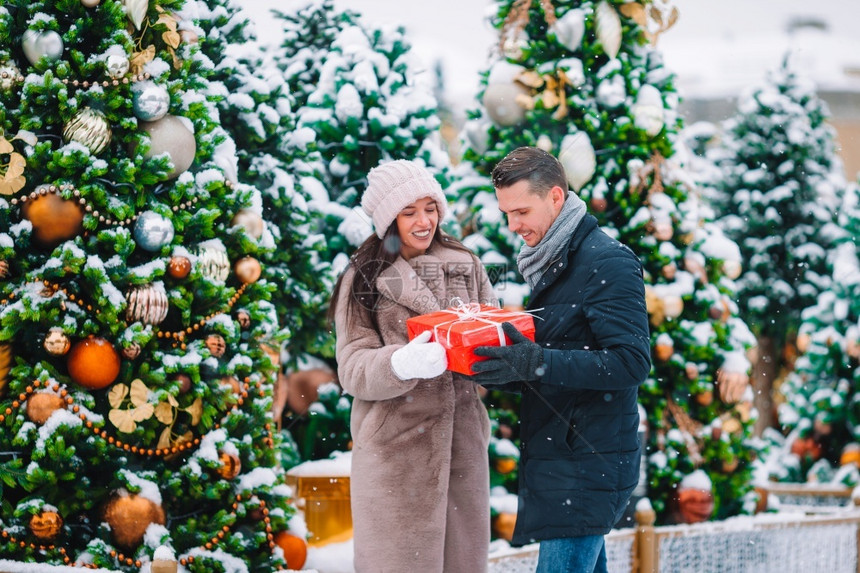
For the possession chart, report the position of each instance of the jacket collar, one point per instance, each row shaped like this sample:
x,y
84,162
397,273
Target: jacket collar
x,y
406,282
585,227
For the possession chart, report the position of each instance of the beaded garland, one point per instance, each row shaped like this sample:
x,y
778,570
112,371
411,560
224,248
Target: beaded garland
x,y
121,558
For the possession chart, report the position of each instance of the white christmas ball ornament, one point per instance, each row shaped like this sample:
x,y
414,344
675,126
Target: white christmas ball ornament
x,y
500,96
500,101
42,43
608,28
150,101
152,231
648,112
170,135
578,159
569,29
117,65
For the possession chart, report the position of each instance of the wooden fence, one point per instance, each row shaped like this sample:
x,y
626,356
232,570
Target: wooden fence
x,y
812,536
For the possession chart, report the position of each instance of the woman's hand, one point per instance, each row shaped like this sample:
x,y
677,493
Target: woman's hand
x,y
420,358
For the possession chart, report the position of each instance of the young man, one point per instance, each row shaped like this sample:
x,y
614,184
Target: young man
x,y
579,380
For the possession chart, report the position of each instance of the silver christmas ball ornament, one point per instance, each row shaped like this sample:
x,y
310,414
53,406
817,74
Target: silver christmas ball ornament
x,y
38,44
150,101
90,128
117,65
9,75
170,135
146,303
152,231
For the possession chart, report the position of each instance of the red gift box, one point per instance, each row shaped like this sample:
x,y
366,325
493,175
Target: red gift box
x,y
463,328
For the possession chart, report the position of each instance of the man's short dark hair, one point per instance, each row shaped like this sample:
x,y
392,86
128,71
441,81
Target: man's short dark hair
x,y
541,169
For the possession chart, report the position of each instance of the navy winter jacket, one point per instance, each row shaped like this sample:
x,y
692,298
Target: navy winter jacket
x,y
579,446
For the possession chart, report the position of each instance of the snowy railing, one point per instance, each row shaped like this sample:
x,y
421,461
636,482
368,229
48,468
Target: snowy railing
x,y
810,496
770,542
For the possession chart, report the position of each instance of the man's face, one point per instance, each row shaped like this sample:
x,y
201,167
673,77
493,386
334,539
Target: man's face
x,y
529,215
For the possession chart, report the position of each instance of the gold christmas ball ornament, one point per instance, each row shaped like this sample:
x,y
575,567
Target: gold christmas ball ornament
x,y
40,406
230,466
598,204
213,262
93,363
243,317
170,135
9,76
131,350
46,525
248,269
184,383
179,267
732,269
216,345
90,128
38,44
90,3
294,547
251,221
57,343
503,525
147,303
128,516
54,219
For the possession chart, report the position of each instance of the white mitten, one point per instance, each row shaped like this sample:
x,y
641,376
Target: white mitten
x,y
419,358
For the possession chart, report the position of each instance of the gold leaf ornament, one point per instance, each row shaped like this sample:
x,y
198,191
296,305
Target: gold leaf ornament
x,y
140,59
654,20
126,420
12,172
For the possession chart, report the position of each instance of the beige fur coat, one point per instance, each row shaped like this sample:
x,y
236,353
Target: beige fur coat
x,y
420,476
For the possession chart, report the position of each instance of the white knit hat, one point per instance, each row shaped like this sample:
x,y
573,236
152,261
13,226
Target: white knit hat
x,y
395,185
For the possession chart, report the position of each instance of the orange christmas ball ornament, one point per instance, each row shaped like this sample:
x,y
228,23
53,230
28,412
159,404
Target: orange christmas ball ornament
x,y
294,547
40,406
129,516
46,526
93,363
54,219
505,465
503,525
179,267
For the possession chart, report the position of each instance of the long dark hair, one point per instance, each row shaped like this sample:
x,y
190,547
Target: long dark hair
x,y
369,261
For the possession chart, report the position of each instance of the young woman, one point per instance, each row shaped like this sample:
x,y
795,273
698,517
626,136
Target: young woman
x,y
420,477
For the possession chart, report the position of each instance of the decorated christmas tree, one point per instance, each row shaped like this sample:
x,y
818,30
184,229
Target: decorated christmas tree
x,y
135,423
274,155
780,185
583,80
368,99
821,412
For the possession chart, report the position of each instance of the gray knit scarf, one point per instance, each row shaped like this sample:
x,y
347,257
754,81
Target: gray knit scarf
x,y
534,261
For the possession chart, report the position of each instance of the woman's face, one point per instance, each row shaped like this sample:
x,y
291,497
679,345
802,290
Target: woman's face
x,y
416,225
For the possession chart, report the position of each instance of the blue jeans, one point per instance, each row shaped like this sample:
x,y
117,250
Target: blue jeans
x,y
586,554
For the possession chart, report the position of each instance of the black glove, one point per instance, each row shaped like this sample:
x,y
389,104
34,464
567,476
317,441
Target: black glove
x,y
521,361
